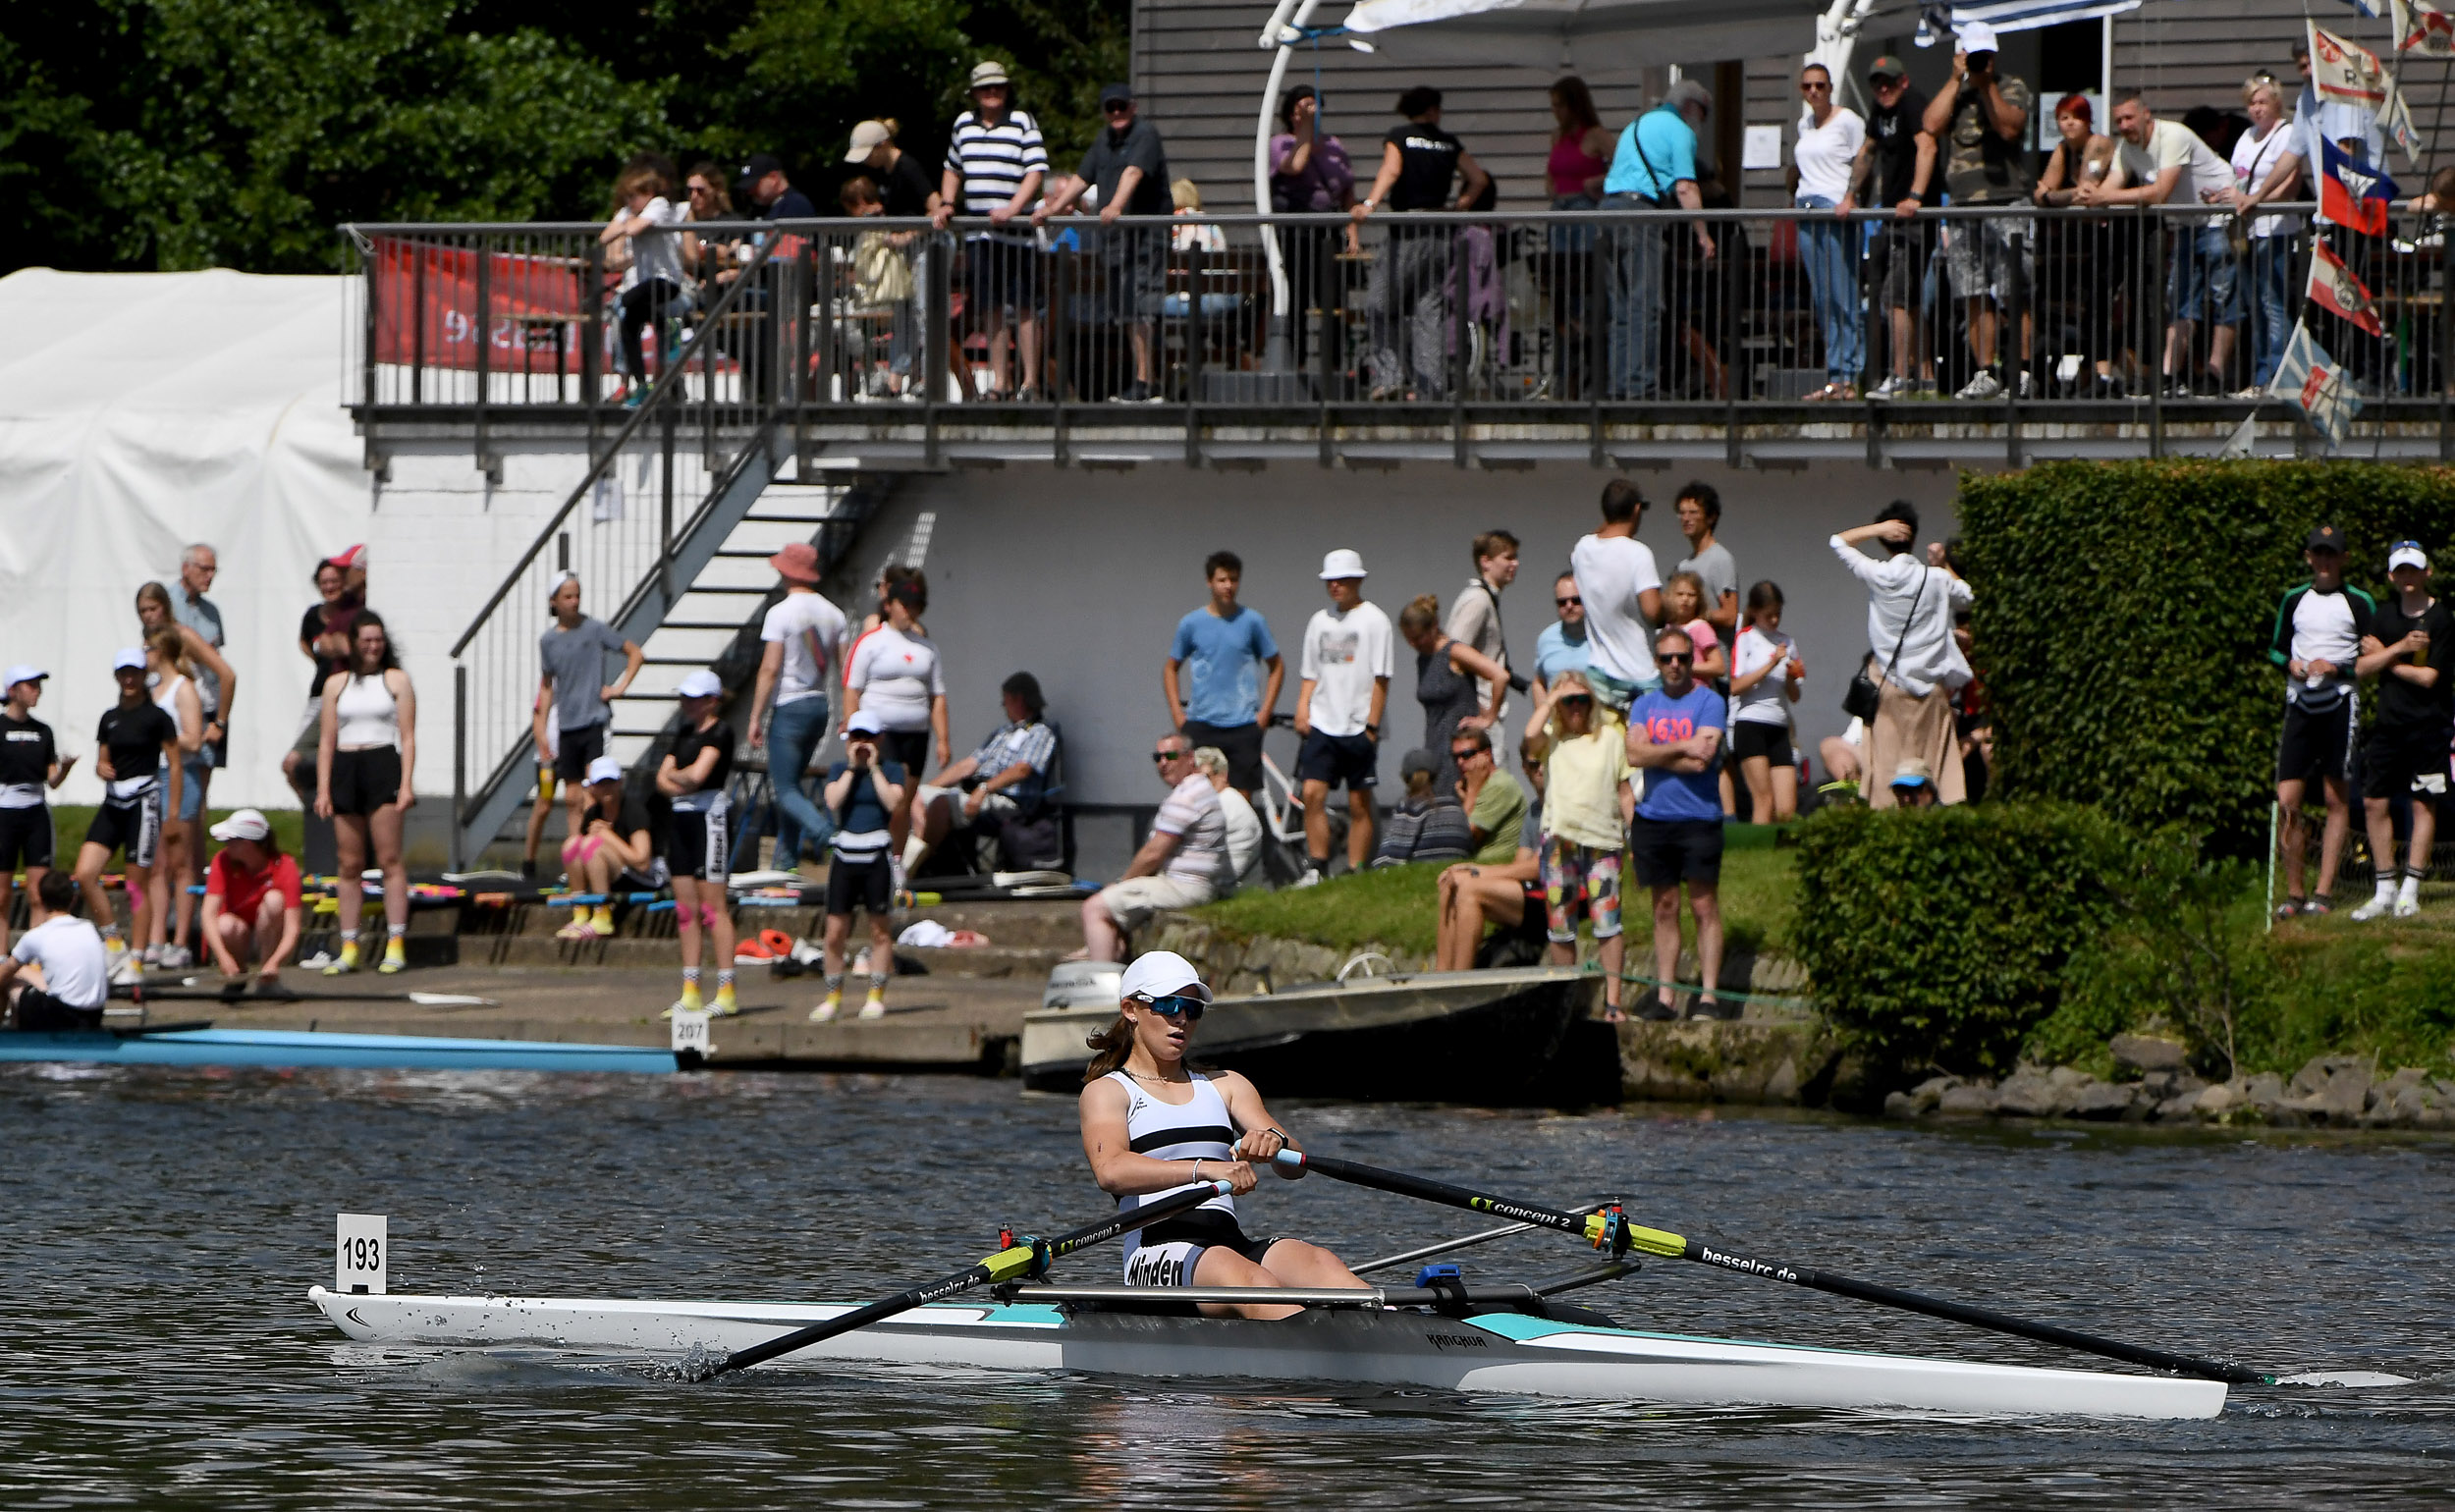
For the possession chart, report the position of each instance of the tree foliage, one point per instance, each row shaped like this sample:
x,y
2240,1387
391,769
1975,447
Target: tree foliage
x,y
2123,615
181,134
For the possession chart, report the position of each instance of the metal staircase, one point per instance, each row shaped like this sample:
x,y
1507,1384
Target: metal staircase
x,y
668,531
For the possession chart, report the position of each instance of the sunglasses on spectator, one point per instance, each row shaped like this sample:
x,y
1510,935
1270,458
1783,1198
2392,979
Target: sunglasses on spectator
x,y
1117,107
1806,85
1187,1008
1165,757
1465,752
1576,701
1571,598
1683,658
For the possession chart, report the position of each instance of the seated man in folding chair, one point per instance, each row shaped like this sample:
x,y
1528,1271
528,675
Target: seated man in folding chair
x,y
1007,778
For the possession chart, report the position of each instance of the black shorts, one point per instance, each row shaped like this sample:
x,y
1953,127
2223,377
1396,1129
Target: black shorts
x,y
134,826
1134,262
37,1009
854,884
574,749
2401,759
366,781
1897,263
700,841
1354,760
2317,745
1242,744
25,837
1666,853
1169,1249
999,276
1751,737
908,749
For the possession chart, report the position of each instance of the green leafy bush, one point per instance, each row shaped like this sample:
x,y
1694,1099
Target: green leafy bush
x,y
1939,937
2122,616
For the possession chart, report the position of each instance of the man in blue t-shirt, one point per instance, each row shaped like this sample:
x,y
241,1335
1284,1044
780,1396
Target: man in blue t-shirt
x,y
1653,168
1676,735
1226,647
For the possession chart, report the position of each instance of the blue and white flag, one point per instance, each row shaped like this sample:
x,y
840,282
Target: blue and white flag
x,y
2370,8
2310,381
2020,14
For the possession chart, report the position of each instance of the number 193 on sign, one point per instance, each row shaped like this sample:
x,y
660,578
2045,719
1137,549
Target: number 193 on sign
x,y
361,1243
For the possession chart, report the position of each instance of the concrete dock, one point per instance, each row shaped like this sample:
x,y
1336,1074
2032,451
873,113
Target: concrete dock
x,y
963,1014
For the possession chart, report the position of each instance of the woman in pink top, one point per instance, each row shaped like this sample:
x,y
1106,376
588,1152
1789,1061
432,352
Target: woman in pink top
x,y
1581,154
1683,605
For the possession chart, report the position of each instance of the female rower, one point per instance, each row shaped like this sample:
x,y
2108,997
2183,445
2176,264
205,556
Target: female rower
x,y
1151,1126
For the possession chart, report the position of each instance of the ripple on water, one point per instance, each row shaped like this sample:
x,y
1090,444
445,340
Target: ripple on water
x,y
165,1225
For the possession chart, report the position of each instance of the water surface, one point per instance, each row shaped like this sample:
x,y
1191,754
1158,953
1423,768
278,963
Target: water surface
x,y
163,1227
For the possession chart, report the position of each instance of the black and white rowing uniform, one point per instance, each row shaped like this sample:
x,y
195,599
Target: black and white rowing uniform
x,y
129,817
700,835
27,754
1165,1253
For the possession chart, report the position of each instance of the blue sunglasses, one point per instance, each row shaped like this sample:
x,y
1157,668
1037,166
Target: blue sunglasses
x,y
1187,1008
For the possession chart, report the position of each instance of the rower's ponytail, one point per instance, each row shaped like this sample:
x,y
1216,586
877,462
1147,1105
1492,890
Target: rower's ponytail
x,y
1109,1050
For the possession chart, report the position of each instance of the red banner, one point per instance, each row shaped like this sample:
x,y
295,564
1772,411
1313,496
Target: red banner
x,y
534,306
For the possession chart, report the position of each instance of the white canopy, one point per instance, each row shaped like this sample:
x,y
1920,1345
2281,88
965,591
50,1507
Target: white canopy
x,y
1590,35
138,412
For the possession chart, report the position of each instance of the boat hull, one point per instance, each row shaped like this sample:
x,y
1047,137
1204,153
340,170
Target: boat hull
x,y
1520,1037
1491,1352
290,1049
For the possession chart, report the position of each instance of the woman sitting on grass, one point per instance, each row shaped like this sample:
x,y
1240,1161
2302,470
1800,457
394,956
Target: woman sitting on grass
x,y
1585,821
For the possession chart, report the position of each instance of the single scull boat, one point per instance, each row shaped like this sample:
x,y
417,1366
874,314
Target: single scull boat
x,y
1505,1339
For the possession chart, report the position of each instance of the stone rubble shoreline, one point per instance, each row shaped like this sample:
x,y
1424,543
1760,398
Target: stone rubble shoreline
x,y
2330,1090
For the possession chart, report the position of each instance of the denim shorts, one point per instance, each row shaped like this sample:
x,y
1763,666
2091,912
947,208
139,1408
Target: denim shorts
x,y
2200,283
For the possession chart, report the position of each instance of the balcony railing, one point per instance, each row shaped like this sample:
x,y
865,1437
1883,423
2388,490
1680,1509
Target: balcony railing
x,y
1598,330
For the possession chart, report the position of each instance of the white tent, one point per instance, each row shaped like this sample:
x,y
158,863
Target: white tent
x,y
141,411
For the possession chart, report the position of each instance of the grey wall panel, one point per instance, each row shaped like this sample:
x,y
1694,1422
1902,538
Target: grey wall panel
x,y
1080,577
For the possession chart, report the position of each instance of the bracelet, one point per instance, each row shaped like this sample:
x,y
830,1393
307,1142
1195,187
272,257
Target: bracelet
x,y
1197,1168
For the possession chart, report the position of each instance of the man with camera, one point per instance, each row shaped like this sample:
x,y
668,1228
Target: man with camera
x,y
1981,119
860,791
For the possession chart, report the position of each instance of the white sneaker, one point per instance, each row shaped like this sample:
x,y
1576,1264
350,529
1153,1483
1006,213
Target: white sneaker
x,y
129,970
1310,879
2406,907
1894,387
1982,387
176,958
2376,908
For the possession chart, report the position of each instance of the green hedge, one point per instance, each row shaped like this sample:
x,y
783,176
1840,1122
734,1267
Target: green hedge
x,y
1939,937
2122,616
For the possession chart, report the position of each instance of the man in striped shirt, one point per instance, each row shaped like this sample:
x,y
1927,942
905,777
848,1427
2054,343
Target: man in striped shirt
x,y
994,167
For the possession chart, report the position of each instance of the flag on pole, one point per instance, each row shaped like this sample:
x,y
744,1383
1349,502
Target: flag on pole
x,y
2368,8
2396,120
2020,14
2351,194
2334,289
2424,24
2346,72
2312,382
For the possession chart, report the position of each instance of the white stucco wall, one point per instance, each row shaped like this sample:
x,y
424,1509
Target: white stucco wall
x,y
1080,576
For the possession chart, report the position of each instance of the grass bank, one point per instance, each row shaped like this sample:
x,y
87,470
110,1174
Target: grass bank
x,y
69,822
1396,906
2312,987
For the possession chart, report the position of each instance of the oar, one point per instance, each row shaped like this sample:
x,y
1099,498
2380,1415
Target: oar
x,y
1028,1258
1609,1229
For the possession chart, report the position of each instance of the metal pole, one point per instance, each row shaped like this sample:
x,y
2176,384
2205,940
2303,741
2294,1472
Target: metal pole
x,y
1193,357
2153,254
459,765
2447,349
417,322
665,539
2015,366
485,344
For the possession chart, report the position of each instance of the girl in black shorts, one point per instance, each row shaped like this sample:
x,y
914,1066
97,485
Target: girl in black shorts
x,y
1765,679
29,768
366,754
698,847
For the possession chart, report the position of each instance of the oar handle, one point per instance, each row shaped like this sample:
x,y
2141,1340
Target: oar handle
x,y
1029,1256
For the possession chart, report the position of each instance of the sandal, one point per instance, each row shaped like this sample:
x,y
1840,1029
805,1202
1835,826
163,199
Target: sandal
x,y
2290,907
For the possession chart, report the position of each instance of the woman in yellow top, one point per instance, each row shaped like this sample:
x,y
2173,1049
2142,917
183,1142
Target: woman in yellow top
x,y
1585,821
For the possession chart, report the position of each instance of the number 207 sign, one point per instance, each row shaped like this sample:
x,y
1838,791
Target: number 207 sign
x,y
361,1241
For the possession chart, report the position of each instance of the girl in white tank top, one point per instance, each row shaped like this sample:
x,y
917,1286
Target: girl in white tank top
x,y
371,716
1151,1126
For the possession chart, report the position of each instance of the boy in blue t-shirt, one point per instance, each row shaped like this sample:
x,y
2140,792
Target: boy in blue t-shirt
x,y
860,791
1676,733
1220,652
